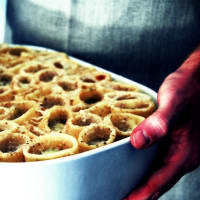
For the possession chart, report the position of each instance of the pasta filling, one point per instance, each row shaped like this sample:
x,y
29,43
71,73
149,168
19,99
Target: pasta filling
x,y
18,112
58,65
49,148
96,141
82,121
44,151
17,51
47,76
67,86
98,136
48,151
5,79
90,97
2,90
11,144
88,79
57,123
24,80
100,77
34,69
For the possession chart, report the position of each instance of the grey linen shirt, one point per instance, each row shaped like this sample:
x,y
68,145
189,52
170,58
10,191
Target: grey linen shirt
x,y
143,40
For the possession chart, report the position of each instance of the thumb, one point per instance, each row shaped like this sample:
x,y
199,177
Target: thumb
x,y
170,102
150,130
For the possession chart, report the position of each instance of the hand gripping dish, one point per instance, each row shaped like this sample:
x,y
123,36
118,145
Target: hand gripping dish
x,y
74,119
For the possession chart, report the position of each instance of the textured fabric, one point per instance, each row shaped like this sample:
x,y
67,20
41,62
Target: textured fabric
x,y
186,189
143,40
3,7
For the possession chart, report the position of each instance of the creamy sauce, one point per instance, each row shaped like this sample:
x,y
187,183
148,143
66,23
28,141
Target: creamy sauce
x,y
56,126
96,141
49,151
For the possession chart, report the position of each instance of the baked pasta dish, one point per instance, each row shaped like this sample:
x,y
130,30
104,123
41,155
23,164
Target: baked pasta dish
x,y
52,107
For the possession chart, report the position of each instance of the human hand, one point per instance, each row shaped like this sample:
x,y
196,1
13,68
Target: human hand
x,y
177,119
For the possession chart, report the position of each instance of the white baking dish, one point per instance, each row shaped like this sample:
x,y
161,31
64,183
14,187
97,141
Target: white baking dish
x,y
106,173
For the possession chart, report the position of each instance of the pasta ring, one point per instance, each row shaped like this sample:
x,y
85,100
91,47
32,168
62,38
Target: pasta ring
x,y
22,82
67,83
96,135
95,77
124,123
32,67
46,75
131,102
80,121
55,119
12,127
118,86
50,146
101,109
88,96
143,108
21,112
11,147
5,79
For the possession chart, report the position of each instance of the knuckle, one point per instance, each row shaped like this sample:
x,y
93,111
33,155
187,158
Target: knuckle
x,y
159,126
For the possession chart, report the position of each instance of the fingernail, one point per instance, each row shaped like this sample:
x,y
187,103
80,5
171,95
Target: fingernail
x,y
140,139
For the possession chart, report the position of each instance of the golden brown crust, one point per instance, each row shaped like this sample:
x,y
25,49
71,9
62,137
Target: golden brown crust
x,y
50,104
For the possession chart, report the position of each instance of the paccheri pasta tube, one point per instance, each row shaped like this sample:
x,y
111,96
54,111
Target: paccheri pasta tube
x,y
50,146
96,135
131,102
80,121
11,146
124,123
55,119
52,107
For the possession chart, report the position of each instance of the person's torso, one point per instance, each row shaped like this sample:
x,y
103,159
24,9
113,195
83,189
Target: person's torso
x,y
142,40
